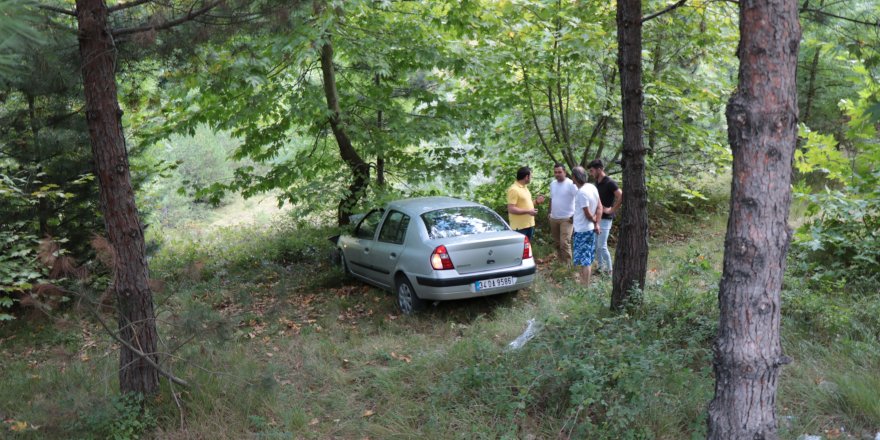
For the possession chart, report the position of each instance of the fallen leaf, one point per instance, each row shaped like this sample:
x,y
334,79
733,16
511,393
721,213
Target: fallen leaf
x,y
368,413
401,357
313,422
19,426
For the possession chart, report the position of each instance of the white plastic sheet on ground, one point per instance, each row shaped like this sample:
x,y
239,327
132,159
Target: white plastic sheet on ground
x,y
531,330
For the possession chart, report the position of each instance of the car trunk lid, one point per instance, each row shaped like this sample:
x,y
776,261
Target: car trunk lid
x,y
493,251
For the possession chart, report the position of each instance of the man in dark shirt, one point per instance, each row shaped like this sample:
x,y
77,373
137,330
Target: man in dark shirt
x,y
611,197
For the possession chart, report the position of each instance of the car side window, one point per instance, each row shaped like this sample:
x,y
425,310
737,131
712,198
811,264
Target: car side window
x,y
367,227
394,228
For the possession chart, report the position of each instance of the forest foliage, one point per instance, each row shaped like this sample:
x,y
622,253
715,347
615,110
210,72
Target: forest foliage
x,y
468,90
438,97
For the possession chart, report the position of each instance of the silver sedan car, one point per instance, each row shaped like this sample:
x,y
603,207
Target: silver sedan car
x,y
437,248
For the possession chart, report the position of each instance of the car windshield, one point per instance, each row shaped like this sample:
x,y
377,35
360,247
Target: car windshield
x,y
464,220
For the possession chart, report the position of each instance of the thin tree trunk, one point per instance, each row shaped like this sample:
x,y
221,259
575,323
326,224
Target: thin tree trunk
x,y
552,108
811,86
535,117
651,127
762,131
563,114
603,133
43,204
360,170
631,258
137,323
380,157
596,133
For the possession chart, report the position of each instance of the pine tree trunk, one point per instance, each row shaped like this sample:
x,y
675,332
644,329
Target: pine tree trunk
x,y
762,130
631,258
137,323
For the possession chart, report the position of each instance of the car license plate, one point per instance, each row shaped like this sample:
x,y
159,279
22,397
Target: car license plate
x,y
493,283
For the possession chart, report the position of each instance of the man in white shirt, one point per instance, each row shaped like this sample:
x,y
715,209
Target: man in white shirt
x,y
587,213
562,192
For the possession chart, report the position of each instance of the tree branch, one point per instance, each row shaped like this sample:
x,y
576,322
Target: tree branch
x,y
127,5
534,117
168,24
146,357
57,9
840,17
669,8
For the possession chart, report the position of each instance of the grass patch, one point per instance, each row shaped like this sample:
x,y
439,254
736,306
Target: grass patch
x,y
278,344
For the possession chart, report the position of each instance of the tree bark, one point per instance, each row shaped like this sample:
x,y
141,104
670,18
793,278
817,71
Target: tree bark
x,y
137,323
762,130
360,170
631,258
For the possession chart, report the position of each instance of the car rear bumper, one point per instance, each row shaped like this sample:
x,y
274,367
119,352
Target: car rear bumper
x,y
464,286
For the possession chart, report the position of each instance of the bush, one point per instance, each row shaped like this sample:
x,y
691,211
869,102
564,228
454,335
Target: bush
x,y
122,418
840,243
602,375
19,267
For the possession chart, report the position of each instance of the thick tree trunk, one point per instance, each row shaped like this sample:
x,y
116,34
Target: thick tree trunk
x,y
360,170
631,258
762,130
137,323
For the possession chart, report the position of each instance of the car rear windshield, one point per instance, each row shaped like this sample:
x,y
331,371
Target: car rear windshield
x,y
464,220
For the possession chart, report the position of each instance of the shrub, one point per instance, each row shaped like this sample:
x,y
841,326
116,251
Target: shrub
x,y
122,418
601,375
18,263
841,240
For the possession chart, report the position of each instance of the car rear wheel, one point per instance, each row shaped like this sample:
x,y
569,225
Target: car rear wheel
x,y
407,299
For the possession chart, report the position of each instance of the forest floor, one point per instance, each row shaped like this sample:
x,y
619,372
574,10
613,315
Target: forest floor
x,y
277,343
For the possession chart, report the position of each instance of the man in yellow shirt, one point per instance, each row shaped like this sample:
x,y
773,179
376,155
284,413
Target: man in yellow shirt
x,y
520,206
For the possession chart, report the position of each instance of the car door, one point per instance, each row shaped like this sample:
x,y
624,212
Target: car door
x,y
389,246
358,247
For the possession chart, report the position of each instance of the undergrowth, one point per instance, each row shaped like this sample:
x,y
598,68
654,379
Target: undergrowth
x,y
276,343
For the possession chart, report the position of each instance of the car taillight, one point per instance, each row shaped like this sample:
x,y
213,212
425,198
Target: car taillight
x,y
440,259
527,249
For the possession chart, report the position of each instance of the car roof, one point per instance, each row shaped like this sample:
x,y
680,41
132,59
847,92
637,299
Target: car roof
x,y
420,205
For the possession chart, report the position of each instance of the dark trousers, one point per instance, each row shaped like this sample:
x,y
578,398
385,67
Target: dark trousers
x,y
528,232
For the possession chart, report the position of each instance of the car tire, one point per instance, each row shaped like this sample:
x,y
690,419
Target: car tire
x,y
407,300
